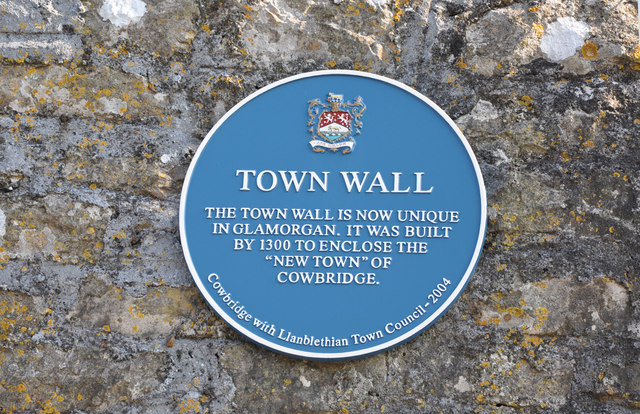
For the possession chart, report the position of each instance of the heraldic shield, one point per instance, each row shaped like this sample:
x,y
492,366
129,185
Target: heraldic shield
x,y
333,124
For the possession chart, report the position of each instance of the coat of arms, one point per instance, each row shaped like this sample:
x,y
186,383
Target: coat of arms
x,y
333,124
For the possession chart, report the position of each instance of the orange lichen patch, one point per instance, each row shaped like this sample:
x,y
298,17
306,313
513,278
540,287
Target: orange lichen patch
x,y
541,315
399,6
589,50
85,143
189,406
119,235
541,285
488,321
517,312
331,64
531,340
460,63
539,29
116,292
362,67
135,312
165,120
525,101
16,318
510,240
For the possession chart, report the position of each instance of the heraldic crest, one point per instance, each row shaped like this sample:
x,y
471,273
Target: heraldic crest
x,y
333,124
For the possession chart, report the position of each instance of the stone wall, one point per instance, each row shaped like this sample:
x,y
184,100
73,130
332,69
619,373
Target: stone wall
x,y
103,104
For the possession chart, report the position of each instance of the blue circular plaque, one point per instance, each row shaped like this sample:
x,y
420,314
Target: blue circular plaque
x,y
333,215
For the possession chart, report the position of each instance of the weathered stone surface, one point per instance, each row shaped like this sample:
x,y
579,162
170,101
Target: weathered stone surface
x,y
79,91
40,16
99,121
40,48
53,379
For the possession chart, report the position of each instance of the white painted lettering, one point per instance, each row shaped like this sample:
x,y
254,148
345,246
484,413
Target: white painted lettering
x,y
245,178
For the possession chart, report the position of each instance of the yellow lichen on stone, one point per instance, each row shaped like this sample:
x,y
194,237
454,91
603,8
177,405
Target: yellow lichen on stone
x,y
362,67
525,101
539,29
590,50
